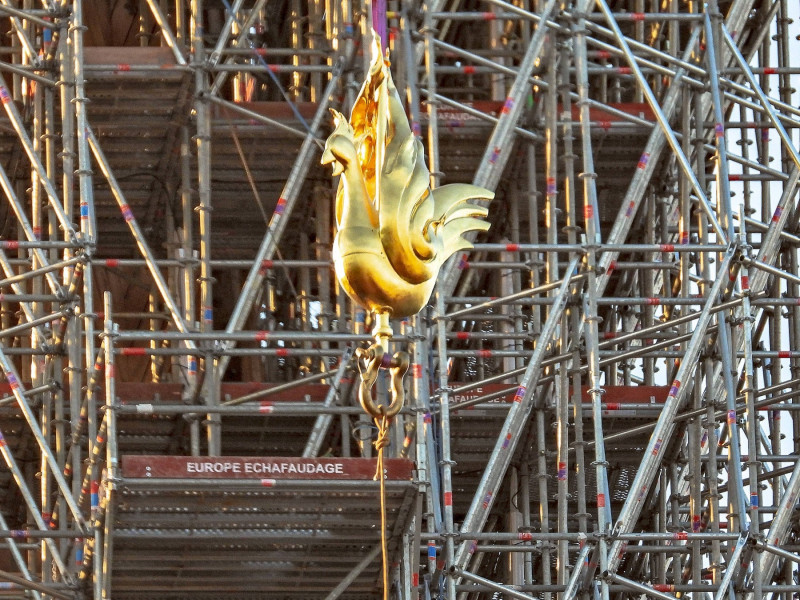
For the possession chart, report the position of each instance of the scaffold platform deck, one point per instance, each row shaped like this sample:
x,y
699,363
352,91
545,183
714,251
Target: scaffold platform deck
x,y
276,527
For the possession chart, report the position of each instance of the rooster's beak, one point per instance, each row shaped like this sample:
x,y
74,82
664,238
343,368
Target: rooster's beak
x,y
329,159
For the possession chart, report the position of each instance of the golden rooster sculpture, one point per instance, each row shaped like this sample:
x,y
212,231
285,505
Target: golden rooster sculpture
x,y
394,231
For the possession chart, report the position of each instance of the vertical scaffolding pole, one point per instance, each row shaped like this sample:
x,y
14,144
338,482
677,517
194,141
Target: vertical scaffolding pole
x,y
726,220
753,426
446,462
112,460
84,172
204,208
432,109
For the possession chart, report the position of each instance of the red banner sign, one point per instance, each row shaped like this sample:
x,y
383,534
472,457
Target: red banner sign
x,y
233,467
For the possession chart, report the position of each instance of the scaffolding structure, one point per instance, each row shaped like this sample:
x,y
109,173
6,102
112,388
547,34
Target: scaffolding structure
x,y
604,395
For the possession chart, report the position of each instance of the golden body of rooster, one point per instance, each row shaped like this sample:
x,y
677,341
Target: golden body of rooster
x,y
394,231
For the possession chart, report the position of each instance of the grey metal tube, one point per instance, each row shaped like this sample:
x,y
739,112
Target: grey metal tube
x,y
770,242
298,409
735,458
504,589
655,447
105,552
251,114
26,72
453,315
577,570
513,425
634,585
84,172
722,175
169,37
426,446
446,460
246,336
45,268
734,565
28,15
32,585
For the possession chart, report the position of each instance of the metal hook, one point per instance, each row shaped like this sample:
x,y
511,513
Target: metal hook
x,y
374,358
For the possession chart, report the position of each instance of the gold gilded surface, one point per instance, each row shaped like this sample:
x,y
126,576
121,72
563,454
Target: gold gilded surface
x,y
394,231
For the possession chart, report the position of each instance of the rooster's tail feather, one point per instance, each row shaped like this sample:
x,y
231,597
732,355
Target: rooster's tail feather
x,y
453,230
452,195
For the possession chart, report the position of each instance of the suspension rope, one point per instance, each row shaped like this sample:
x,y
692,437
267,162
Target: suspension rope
x,y
370,361
380,443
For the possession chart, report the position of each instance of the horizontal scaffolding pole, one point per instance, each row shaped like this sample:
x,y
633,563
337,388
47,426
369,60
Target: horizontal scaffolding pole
x,y
37,534
275,409
665,587
482,536
219,351
248,485
27,584
621,248
248,336
530,135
